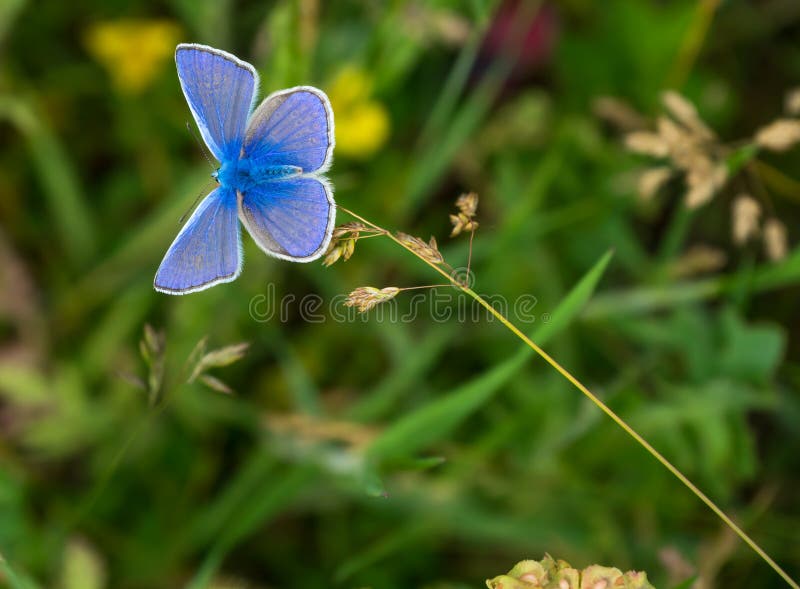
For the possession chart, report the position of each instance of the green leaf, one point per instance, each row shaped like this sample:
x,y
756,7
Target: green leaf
x,y
750,352
23,385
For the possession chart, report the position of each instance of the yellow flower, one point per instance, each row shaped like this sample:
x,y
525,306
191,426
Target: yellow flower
x,y
132,51
362,124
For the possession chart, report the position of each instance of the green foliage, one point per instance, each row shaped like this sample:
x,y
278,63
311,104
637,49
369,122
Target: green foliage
x,y
375,452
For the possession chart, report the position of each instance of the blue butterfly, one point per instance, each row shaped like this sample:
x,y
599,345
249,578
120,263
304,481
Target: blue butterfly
x,y
270,175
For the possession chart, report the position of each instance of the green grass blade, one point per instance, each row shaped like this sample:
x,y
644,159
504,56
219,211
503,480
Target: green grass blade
x,y
416,363
254,512
437,419
638,301
14,579
395,542
65,198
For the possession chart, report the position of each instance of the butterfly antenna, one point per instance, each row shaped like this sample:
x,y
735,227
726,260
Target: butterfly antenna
x,y
193,133
194,204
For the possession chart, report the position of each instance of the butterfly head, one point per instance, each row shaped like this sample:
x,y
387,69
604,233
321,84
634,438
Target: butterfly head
x,y
230,174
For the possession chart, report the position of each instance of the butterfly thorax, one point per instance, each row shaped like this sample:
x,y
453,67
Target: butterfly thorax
x,y
241,174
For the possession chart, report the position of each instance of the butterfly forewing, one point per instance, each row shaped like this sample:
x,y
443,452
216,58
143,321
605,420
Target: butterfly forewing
x,y
219,89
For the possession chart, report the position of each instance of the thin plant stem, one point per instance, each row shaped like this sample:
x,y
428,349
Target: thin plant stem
x,y
692,42
469,256
777,180
594,399
370,235
405,288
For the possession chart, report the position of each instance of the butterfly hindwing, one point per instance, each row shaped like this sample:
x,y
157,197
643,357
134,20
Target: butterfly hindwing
x,y
220,89
292,127
207,251
291,218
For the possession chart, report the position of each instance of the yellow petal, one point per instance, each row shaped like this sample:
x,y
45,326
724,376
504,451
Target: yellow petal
x,y
361,130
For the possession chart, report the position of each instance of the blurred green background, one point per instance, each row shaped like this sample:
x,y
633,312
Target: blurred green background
x,y
386,453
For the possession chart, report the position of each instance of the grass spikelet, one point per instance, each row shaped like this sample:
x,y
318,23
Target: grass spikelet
x,y
779,135
462,223
216,384
775,242
467,204
218,358
791,102
746,214
618,113
464,220
427,251
152,347
691,147
343,242
685,113
699,259
651,180
365,298
704,181
647,143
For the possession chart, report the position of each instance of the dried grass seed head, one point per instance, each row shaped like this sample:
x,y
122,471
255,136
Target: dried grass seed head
x,y
365,298
467,204
691,147
427,251
464,220
343,241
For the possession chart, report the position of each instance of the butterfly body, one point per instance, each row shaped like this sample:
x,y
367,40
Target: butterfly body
x,y
270,177
241,175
